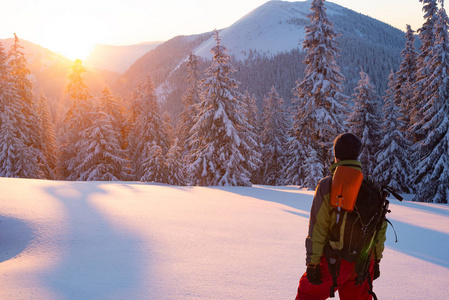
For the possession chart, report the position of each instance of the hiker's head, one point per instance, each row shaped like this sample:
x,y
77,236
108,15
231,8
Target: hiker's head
x,y
347,147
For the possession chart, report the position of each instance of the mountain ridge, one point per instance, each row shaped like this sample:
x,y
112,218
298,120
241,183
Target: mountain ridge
x,y
266,49
266,46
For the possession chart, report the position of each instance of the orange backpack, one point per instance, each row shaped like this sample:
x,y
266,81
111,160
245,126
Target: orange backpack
x,y
346,184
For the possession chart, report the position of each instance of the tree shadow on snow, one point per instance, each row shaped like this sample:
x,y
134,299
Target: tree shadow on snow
x,y
419,242
98,260
287,195
15,236
422,243
434,208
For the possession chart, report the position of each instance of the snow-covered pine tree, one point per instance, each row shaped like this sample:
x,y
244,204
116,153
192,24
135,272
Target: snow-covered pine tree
x,y
426,33
174,165
225,153
274,139
405,77
320,103
148,142
169,129
77,120
312,166
252,117
13,160
48,138
190,99
393,165
153,163
5,83
365,121
100,155
252,114
113,107
294,172
20,72
432,173
426,36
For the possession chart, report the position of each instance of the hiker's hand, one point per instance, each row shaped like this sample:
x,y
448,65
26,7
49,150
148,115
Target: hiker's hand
x,y
314,274
376,270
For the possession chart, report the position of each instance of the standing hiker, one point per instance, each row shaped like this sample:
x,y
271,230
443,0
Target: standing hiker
x,y
338,256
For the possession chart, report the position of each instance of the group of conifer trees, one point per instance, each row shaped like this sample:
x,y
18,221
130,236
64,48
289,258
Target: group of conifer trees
x,y
405,137
27,139
407,143
222,139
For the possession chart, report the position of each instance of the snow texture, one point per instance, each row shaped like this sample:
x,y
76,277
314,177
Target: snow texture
x,y
273,29
129,240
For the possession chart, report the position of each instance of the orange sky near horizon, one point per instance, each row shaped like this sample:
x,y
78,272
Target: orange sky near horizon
x,y
72,28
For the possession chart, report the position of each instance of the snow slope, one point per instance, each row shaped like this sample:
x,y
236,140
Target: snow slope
x,y
274,27
105,240
267,29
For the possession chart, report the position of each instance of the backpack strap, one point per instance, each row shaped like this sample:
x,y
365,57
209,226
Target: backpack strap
x,y
394,230
333,259
332,255
335,230
370,285
334,270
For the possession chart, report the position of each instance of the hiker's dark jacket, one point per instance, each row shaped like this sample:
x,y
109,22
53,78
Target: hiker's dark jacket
x,y
323,216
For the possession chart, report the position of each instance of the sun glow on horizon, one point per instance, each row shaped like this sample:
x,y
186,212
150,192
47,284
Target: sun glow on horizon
x,y
72,35
72,28
71,50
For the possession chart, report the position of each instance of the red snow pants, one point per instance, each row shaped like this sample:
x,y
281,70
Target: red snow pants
x,y
347,289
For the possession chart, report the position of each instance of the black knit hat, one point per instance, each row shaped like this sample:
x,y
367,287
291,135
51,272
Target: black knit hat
x,y
347,146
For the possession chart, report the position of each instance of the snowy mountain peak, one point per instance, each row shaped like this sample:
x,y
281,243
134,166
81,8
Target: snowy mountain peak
x,y
273,27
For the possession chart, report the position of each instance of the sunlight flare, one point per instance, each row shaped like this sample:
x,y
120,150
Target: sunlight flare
x,y
72,35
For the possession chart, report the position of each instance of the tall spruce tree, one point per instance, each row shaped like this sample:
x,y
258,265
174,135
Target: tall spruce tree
x,y
13,156
190,99
114,108
405,77
274,139
252,117
403,96
295,169
432,173
252,113
426,36
148,142
169,129
19,76
48,137
99,153
77,120
320,103
393,165
365,121
174,165
225,147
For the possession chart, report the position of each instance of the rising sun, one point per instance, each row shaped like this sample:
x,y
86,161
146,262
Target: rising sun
x,y
71,35
72,49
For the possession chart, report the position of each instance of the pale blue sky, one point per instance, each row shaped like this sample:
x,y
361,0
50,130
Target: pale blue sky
x,y
76,25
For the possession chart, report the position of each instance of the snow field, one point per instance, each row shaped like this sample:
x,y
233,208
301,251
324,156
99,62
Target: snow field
x,y
128,240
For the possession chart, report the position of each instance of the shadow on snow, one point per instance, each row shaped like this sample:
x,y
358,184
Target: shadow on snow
x,y
422,243
15,237
98,261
